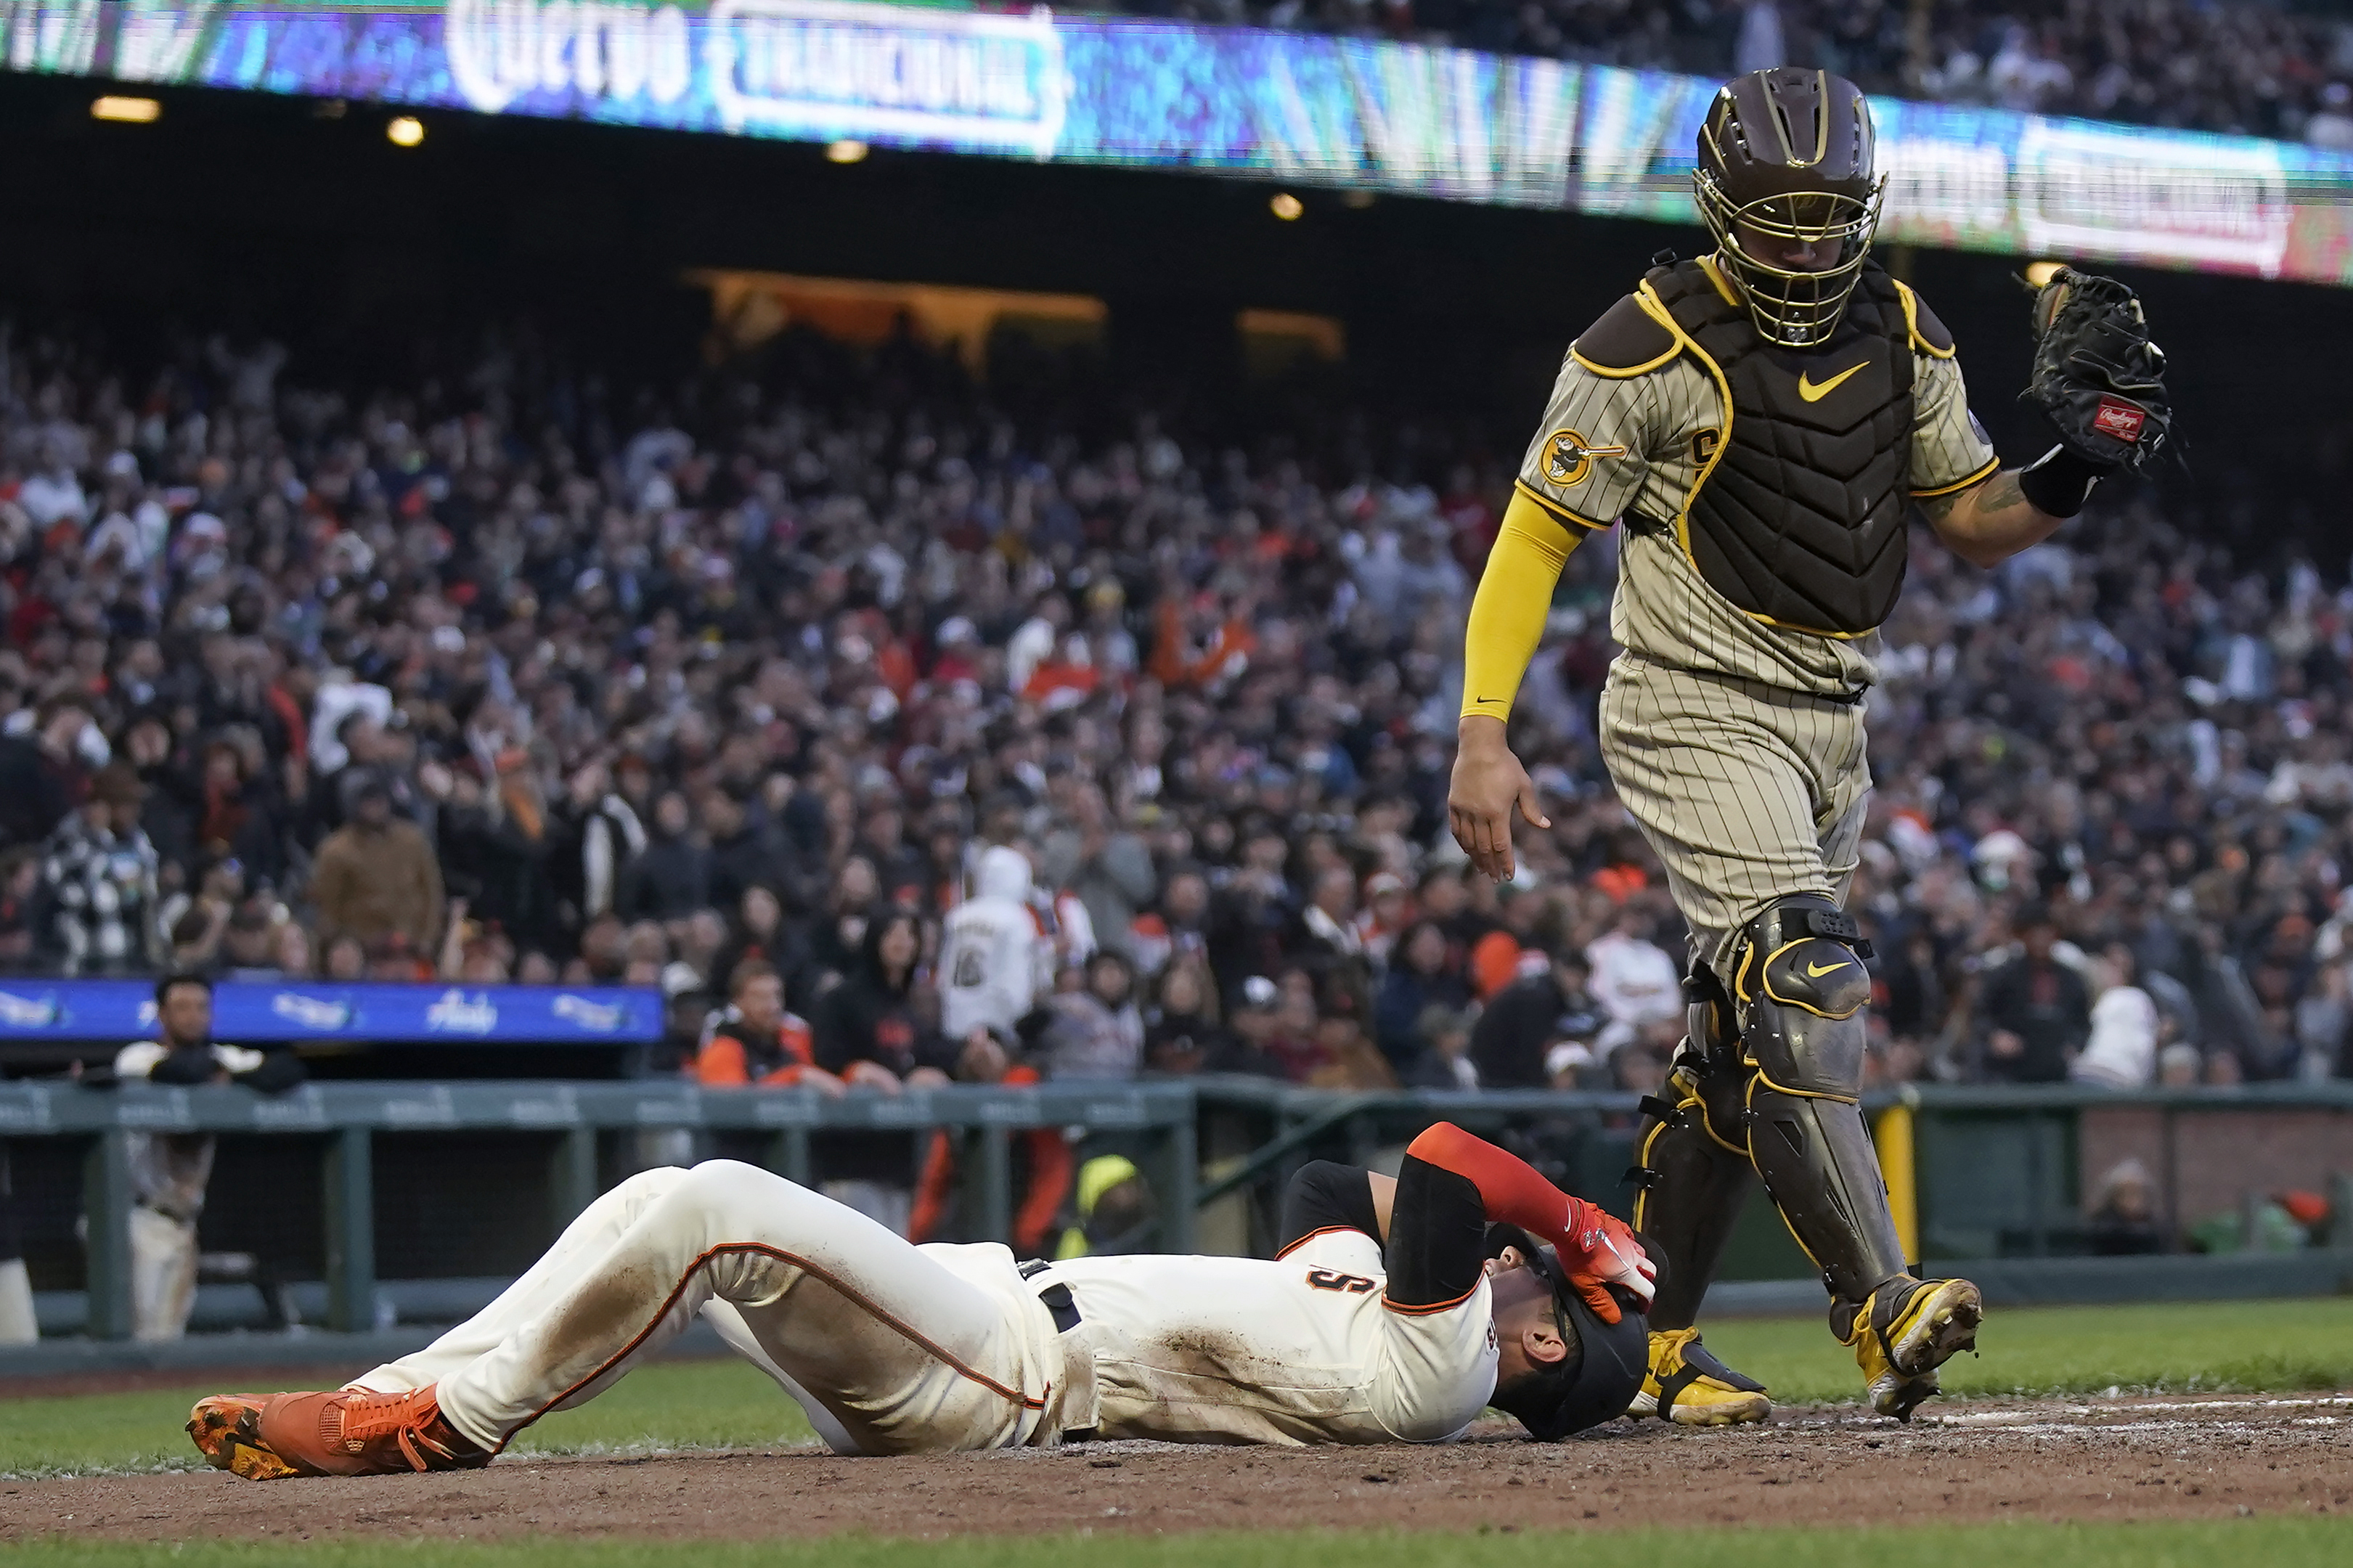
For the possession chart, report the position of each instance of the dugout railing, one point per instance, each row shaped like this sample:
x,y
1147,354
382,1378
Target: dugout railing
x,y
577,1125
1973,1173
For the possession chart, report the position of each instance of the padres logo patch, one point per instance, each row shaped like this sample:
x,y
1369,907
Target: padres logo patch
x,y
1568,460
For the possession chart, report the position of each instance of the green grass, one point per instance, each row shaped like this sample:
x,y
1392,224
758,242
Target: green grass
x,y
723,1403
2274,1542
2282,1346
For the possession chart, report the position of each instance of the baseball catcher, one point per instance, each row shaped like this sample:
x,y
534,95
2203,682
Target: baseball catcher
x,y
1763,420
1397,1310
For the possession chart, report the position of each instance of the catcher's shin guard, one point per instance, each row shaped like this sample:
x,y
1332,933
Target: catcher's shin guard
x,y
1693,1171
1800,988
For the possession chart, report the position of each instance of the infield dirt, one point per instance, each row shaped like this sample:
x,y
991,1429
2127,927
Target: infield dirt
x,y
2099,1460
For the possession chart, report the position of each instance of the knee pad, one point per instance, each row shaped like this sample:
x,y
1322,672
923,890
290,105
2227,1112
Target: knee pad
x,y
1800,987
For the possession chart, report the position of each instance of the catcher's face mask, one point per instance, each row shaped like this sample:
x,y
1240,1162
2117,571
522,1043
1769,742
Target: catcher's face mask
x,y
1785,183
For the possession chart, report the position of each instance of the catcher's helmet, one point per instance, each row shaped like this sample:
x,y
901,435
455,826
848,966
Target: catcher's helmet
x,y
1788,154
1600,1379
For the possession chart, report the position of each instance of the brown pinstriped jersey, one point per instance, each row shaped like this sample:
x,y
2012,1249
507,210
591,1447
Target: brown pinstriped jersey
x,y
1614,445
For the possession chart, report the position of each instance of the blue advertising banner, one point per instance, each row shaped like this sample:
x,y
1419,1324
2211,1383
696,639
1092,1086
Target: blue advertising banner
x,y
1279,106
250,1013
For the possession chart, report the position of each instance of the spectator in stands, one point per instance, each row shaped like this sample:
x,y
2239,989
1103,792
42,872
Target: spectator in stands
x,y
290,953
1094,1031
1325,939
1445,1061
1183,1034
745,854
1421,976
20,899
44,770
2257,68
2121,1050
1527,1018
249,943
756,1041
169,1171
1346,1056
377,878
2123,1213
2323,1019
994,962
346,959
98,878
1107,868
1179,930
2036,1010
1293,1038
1385,917
760,933
1635,980
1252,909
493,837
867,1030
671,879
596,836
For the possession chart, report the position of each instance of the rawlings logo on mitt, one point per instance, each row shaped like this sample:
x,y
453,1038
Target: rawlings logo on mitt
x,y
2096,376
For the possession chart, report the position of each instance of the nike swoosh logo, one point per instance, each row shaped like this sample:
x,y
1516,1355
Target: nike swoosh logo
x,y
1816,970
1811,392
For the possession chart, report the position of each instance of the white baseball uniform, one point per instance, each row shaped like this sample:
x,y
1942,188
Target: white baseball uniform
x,y
894,1349
994,962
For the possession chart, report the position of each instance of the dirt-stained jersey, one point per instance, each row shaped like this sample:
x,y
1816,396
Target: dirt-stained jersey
x,y
1327,1344
1630,440
1306,1349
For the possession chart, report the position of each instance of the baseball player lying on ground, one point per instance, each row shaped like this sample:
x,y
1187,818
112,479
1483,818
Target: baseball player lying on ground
x,y
1397,1311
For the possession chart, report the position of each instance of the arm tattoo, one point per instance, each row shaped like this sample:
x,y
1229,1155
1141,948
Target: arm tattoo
x,y
1937,508
2002,492
1997,494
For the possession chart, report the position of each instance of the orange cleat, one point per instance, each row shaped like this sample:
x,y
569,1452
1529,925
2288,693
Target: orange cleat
x,y
348,1432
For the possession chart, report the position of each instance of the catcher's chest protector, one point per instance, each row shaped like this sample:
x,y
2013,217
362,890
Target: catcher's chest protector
x,y
1800,519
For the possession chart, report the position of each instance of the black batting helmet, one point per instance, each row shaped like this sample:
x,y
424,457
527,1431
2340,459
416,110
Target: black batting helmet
x,y
1789,154
1599,1379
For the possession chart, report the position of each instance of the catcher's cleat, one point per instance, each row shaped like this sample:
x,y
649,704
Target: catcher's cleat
x,y
1687,1385
348,1432
1905,1332
1899,1397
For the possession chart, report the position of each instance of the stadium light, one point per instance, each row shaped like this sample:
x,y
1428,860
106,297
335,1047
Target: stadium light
x,y
848,150
406,131
2039,273
126,111
1286,206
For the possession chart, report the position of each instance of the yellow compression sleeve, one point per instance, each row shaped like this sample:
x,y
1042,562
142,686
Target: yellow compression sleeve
x,y
1507,615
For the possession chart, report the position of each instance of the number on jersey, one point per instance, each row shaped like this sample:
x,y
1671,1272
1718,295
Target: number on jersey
x,y
1330,1279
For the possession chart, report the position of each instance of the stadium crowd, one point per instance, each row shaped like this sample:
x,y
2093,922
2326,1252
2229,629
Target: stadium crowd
x,y
504,676
2247,67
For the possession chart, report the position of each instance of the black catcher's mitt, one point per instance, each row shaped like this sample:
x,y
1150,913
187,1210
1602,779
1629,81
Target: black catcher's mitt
x,y
2096,374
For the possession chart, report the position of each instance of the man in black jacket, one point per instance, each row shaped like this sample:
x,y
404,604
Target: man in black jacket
x,y
2038,1012
1526,1018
